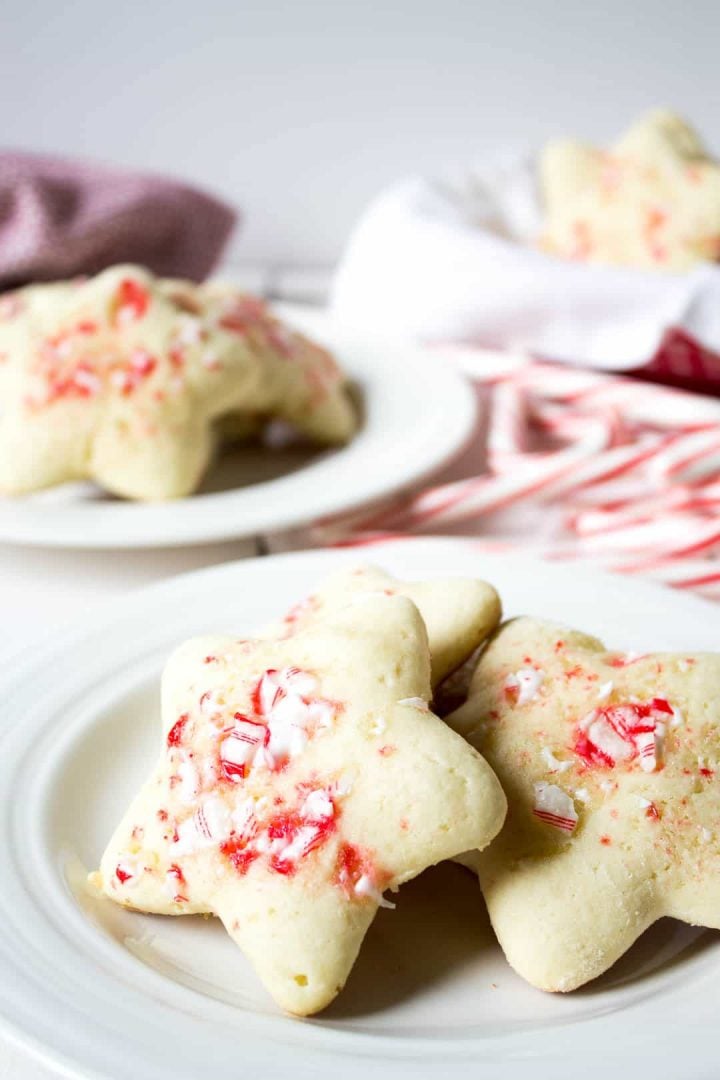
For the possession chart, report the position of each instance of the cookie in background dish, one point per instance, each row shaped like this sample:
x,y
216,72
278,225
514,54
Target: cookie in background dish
x,y
650,201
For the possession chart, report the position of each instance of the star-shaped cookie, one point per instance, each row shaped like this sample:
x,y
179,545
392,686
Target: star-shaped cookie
x,y
652,200
299,780
458,613
123,379
611,764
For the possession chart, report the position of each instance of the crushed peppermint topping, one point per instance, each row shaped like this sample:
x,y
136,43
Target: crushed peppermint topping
x,y
553,763
677,719
523,685
188,777
128,870
625,659
174,880
554,807
625,732
705,835
211,823
605,690
286,712
358,877
177,731
131,302
209,703
582,795
286,838
364,886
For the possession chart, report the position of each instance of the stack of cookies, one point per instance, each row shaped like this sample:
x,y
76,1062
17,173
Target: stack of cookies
x,y
304,776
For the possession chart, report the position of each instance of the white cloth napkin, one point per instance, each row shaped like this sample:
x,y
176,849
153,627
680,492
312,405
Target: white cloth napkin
x,y
453,260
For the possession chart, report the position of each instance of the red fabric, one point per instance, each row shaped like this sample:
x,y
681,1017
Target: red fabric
x,y
683,362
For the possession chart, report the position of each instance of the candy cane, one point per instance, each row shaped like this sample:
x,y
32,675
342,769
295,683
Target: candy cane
x,y
619,473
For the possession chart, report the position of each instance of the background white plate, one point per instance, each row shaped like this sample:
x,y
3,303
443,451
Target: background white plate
x,y
418,414
101,992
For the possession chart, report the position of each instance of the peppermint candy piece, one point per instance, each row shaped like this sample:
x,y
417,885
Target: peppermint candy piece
x,y
555,807
523,685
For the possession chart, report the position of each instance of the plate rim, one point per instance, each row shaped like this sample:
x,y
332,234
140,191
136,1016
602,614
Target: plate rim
x,y
138,601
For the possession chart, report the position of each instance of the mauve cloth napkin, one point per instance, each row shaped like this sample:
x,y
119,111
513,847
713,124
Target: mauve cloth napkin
x,y
60,217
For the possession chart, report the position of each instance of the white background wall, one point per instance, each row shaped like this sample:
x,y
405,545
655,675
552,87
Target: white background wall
x,y
300,111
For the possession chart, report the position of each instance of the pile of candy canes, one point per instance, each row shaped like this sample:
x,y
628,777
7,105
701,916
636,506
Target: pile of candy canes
x,y
575,464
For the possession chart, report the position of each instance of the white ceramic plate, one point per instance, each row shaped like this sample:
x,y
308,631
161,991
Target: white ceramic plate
x,y
101,992
418,414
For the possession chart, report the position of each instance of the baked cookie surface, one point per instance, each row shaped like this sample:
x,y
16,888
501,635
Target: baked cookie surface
x,y
650,201
123,379
458,613
610,763
299,780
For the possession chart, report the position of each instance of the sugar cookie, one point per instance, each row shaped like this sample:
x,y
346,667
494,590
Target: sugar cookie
x,y
652,200
123,378
610,763
458,613
299,780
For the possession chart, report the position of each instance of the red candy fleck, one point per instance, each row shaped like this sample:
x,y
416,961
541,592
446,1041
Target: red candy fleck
x,y
574,672
175,734
621,661
300,610
606,840
141,367
240,854
652,812
176,872
352,863
210,660
704,771
122,875
162,815
386,751
87,326
131,301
